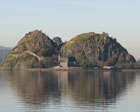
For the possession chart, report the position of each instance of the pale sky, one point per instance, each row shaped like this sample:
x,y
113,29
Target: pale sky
x,y
68,18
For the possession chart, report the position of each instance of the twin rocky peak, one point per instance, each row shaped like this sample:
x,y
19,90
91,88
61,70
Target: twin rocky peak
x,y
37,50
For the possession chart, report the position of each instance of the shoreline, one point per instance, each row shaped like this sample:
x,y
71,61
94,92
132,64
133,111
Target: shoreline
x,y
68,69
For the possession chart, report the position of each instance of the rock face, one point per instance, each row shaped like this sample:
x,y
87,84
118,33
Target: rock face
x,y
34,50
91,49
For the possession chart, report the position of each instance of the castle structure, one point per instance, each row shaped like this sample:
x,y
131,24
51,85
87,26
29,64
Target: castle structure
x,y
63,62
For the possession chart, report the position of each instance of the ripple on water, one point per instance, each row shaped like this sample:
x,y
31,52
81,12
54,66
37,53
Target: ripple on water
x,y
66,91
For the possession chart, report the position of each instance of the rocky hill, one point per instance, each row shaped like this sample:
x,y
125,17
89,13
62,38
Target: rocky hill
x,y
91,49
34,50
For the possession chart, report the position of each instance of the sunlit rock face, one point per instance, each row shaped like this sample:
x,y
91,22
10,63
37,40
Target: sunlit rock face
x,y
34,50
92,49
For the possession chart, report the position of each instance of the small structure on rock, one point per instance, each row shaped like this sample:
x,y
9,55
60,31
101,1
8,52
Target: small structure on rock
x,y
63,62
109,67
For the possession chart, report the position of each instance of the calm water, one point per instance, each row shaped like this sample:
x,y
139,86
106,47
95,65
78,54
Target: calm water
x,y
69,91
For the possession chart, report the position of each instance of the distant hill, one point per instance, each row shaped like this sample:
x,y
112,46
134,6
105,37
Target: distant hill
x,y
4,51
4,48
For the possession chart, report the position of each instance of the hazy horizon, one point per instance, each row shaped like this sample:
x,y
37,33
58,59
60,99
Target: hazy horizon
x,y
69,18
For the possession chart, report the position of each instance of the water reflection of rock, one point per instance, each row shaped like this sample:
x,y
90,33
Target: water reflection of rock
x,y
96,87
34,88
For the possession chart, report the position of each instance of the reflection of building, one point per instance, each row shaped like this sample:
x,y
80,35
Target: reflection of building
x,y
106,74
63,79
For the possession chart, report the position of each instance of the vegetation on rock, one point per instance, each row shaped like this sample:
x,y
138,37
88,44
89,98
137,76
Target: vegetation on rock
x,y
91,49
36,50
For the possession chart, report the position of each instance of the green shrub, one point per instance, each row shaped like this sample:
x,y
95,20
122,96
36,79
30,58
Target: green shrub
x,y
81,59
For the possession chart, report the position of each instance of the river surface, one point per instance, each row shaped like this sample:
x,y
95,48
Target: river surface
x,y
69,91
